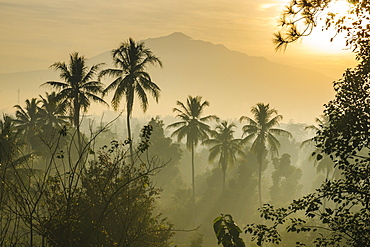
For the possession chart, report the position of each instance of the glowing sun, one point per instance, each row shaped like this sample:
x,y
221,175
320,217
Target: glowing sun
x,y
320,40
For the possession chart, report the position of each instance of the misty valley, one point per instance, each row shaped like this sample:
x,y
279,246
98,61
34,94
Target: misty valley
x,y
72,179
108,151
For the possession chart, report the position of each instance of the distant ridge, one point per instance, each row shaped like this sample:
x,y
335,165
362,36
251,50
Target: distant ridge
x,y
175,35
231,81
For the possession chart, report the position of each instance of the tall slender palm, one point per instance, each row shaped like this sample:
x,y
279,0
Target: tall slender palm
x,y
192,125
78,88
131,60
261,129
224,146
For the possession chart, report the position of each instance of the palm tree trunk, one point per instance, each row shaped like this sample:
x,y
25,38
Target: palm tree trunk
x,y
192,171
223,167
259,158
130,138
76,123
193,182
223,179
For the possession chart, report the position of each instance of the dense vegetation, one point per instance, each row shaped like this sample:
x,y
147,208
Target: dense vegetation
x,y
66,181
71,182
337,213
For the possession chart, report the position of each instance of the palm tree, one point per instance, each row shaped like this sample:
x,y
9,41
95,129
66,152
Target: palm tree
x,y
30,122
323,162
52,111
224,146
261,130
131,60
28,119
10,144
192,126
78,88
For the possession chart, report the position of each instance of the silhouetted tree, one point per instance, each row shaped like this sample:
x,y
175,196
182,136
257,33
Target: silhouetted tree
x,y
131,60
224,146
52,111
10,142
322,162
345,139
285,180
78,88
192,126
14,172
300,18
112,206
345,221
28,120
164,150
10,152
261,130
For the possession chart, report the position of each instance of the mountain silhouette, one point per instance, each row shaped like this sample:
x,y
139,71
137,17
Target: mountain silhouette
x,y
231,81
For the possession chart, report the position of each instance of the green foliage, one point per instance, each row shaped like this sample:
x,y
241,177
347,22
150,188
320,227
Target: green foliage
x,y
11,143
345,219
164,150
113,207
262,131
192,125
285,180
131,78
131,59
227,232
145,138
78,89
197,241
323,162
225,146
11,158
299,18
348,129
72,201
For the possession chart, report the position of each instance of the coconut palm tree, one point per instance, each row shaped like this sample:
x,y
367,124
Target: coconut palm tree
x,y
52,111
224,146
78,88
130,78
30,122
192,126
10,144
261,130
28,119
322,162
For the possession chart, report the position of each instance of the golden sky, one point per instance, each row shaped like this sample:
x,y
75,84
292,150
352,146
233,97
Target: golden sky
x,y
37,33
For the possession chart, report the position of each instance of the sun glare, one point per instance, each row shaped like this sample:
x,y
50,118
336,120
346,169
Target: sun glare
x,y
320,41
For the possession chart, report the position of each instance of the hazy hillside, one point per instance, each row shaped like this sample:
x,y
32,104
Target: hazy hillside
x,y
231,81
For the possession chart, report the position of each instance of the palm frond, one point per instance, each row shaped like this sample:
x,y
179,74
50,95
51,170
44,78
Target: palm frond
x,y
55,84
140,92
111,73
184,110
281,132
273,143
209,118
248,138
92,72
177,124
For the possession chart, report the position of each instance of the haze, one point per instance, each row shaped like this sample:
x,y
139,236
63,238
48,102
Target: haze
x,y
34,34
71,178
